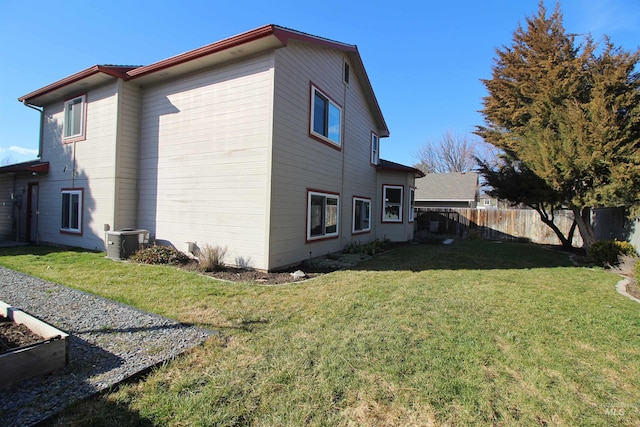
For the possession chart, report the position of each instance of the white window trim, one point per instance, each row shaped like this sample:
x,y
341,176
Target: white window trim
x,y
330,102
353,219
83,114
375,149
311,193
72,192
384,203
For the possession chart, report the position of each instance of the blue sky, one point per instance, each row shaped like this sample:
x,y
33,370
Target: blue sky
x,y
424,58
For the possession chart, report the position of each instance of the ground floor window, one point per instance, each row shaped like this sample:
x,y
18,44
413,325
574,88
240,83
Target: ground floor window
x,y
392,197
322,215
71,210
361,215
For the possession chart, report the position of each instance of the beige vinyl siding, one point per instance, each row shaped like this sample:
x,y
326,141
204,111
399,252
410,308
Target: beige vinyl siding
x,y
397,232
126,172
94,163
360,175
7,205
204,155
301,162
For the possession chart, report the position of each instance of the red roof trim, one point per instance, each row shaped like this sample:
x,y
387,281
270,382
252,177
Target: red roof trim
x,y
40,168
284,34
131,72
230,42
281,33
387,165
385,131
33,166
114,71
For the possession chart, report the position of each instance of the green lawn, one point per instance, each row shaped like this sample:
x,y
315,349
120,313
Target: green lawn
x,y
474,333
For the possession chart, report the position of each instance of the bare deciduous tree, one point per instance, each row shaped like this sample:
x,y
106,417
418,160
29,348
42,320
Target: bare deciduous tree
x,y
7,160
452,153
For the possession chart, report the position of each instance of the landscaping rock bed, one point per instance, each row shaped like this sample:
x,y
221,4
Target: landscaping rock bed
x,y
633,289
311,268
108,343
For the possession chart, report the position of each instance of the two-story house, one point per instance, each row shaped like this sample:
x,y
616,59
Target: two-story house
x,y
267,143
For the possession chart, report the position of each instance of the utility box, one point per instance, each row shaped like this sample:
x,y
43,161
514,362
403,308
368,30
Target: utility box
x,y
121,244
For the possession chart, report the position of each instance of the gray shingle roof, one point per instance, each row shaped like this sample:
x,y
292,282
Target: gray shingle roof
x,y
392,166
447,186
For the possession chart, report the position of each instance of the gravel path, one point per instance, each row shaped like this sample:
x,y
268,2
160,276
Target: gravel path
x,y
109,342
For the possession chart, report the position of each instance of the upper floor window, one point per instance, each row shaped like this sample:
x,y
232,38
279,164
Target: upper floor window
x,y
392,209
71,211
74,113
326,117
375,149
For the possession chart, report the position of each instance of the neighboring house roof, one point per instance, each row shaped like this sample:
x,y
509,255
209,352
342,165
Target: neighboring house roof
x,y
245,44
456,186
386,165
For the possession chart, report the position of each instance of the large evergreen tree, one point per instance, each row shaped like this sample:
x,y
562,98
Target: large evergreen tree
x,y
569,114
511,180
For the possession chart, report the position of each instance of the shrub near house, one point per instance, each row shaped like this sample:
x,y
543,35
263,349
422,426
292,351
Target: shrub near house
x,y
606,252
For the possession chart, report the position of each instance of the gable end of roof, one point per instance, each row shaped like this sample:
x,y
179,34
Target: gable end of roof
x,y
265,37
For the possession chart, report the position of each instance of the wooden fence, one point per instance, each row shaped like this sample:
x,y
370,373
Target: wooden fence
x,y
514,224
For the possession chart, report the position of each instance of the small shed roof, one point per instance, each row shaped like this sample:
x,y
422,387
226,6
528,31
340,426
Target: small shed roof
x,y
455,186
386,165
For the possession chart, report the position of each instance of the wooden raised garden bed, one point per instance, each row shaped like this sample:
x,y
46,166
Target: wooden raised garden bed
x,y
37,358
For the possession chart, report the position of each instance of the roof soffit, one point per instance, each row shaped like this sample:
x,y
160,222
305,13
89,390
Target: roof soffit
x,y
207,57
246,44
75,84
33,167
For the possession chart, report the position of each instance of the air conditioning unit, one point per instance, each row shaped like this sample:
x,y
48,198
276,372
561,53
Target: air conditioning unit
x,y
121,244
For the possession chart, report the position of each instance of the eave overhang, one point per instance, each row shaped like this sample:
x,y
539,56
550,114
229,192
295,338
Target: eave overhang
x,y
32,167
75,84
388,166
242,45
